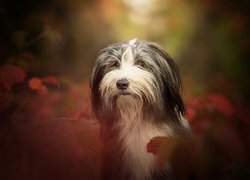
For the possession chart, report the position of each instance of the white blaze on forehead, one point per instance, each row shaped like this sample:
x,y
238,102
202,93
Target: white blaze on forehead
x,y
128,57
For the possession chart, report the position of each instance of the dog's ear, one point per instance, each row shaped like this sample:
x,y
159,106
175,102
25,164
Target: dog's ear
x,y
171,82
99,110
95,80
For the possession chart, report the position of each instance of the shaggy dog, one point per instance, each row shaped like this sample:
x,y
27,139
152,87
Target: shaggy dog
x,y
135,90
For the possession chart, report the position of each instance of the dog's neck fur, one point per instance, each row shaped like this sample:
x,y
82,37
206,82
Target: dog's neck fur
x,y
134,133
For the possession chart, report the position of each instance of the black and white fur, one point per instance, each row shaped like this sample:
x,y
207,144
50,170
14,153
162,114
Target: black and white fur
x,y
135,91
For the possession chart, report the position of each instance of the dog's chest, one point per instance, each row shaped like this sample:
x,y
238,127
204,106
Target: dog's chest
x,y
135,137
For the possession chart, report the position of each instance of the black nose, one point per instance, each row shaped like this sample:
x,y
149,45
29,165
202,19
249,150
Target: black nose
x,y
122,84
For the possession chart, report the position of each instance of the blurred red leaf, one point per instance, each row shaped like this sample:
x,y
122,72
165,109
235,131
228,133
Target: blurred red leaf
x,y
43,90
35,83
167,148
196,103
50,80
221,103
191,113
158,144
11,74
154,145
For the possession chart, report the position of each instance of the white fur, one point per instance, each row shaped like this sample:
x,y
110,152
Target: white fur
x,y
135,135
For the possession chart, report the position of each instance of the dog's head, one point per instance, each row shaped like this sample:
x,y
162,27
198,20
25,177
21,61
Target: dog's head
x,y
139,73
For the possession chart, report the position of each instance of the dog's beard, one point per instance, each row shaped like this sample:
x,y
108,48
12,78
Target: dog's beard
x,y
130,110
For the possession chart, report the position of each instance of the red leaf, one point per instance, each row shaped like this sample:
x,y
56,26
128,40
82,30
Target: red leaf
x,y
43,90
221,103
50,80
196,103
191,113
35,83
155,144
11,74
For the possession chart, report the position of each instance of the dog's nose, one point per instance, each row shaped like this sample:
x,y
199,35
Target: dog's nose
x,y
122,84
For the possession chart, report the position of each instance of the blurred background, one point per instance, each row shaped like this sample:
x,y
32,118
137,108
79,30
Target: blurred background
x,y
47,51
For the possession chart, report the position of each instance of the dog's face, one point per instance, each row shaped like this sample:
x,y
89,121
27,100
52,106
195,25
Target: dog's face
x,y
141,73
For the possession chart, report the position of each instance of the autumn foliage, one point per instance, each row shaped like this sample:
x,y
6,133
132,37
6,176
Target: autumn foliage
x,y
11,75
52,129
46,128
47,49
